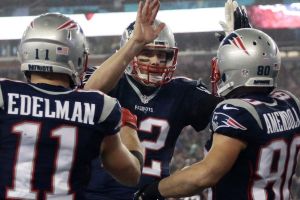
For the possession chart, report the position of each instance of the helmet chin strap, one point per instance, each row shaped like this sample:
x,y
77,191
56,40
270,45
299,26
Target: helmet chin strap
x,y
225,87
75,77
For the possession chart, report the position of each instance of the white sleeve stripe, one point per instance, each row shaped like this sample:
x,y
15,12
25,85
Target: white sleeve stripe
x,y
1,98
108,105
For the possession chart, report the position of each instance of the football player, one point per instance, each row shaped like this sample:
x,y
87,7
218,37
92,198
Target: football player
x,y
50,130
256,130
164,105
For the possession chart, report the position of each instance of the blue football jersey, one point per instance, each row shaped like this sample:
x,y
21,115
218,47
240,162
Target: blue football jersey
x,y
162,113
270,126
48,137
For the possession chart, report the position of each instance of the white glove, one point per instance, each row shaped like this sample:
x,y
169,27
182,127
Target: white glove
x,y
228,25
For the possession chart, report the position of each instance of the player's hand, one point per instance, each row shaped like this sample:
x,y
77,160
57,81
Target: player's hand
x,y
228,25
144,32
129,119
148,192
235,18
241,19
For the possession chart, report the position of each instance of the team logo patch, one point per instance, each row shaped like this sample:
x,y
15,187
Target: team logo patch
x,y
222,120
236,40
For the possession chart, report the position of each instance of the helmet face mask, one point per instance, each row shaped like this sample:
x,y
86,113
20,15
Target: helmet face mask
x,y
246,58
154,66
54,43
143,68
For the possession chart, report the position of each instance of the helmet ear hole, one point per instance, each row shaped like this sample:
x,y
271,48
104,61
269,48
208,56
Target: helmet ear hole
x,y
223,77
79,62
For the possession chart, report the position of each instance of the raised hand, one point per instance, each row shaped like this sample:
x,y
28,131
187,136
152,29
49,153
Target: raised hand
x,y
241,18
107,76
235,18
228,25
144,32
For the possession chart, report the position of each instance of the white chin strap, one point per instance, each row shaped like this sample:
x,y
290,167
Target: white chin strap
x,y
225,87
152,78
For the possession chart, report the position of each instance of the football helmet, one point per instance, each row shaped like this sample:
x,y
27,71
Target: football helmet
x,y
246,57
54,43
150,74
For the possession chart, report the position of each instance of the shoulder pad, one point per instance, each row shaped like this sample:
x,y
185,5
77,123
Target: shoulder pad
x,y
243,104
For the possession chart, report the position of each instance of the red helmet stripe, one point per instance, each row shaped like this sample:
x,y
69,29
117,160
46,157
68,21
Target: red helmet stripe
x,y
67,25
241,44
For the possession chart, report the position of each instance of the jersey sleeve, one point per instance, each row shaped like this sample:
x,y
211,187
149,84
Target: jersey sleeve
x,y
1,95
199,104
237,119
110,118
288,96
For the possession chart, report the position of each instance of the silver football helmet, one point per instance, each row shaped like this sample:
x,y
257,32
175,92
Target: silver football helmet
x,y
246,58
153,75
54,43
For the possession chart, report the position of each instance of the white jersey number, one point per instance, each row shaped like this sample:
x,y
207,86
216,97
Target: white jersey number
x,y
29,133
275,166
146,126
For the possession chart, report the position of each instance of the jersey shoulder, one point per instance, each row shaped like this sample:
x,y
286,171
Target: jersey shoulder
x,y
234,115
285,95
187,83
7,84
109,104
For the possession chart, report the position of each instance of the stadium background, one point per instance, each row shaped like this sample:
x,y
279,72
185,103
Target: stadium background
x,y
279,18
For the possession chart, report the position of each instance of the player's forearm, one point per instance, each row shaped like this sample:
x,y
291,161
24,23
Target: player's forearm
x,y
187,182
133,172
129,136
127,171
107,76
133,158
123,166
130,139
206,173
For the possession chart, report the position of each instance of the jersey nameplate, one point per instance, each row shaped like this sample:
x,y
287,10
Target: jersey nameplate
x,y
40,107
